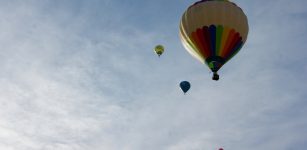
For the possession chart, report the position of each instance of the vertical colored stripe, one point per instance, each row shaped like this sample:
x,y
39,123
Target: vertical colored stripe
x,y
198,44
235,51
212,30
226,31
202,42
188,40
228,42
235,39
207,40
219,34
234,48
189,45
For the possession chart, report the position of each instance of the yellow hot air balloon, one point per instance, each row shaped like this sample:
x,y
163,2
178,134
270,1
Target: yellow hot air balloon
x,y
159,49
213,31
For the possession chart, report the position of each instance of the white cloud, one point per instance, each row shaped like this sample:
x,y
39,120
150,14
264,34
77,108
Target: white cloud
x,y
75,77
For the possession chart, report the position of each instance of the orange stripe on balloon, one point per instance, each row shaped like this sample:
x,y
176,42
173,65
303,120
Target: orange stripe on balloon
x,y
224,39
228,42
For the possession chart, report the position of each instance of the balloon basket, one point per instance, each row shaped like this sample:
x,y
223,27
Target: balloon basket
x,y
215,76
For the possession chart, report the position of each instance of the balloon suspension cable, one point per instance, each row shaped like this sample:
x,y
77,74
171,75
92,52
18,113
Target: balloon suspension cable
x,y
215,76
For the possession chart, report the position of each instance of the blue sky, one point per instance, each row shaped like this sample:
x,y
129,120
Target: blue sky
x,y
82,74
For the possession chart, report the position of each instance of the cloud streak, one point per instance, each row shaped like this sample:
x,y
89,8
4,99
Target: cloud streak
x,y
82,75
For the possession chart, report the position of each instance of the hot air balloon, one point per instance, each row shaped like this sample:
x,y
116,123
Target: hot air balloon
x,y
213,31
159,49
185,86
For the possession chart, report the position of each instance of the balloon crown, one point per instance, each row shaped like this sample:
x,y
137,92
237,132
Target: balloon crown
x,y
202,1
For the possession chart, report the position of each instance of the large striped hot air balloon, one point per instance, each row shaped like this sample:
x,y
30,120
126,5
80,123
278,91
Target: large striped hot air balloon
x,y
213,31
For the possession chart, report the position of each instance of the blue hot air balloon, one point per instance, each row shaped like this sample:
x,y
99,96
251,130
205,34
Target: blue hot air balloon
x,y
185,86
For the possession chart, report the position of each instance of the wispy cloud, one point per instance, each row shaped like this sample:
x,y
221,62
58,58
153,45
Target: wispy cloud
x,y
82,75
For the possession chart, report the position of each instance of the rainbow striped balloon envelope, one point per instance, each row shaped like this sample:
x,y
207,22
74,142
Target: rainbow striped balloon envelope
x,y
213,31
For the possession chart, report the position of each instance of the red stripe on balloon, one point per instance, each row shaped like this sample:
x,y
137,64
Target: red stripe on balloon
x,y
207,40
232,44
198,43
235,49
202,41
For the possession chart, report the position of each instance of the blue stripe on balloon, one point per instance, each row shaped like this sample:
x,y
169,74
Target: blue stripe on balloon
x,y
212,30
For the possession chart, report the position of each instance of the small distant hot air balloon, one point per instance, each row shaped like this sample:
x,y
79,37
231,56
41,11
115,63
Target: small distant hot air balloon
x,y
221,149
159,49
213,31
185,86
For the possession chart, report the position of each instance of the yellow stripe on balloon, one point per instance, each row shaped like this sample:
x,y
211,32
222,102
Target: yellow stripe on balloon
x,y
224,39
